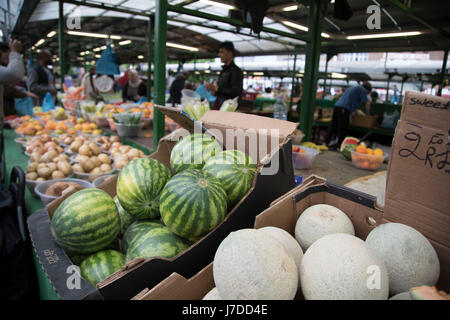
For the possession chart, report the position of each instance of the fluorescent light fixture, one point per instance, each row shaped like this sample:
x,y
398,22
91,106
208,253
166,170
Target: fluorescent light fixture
x,y
197,72
122,43
338,75
93,35
98,56
141,57
217,72
207,71
245,72
258,73
103,48
39,42
51,34
384,35
332,1
180,46
218,4
303,28
82,53
1,33
96,49
290,8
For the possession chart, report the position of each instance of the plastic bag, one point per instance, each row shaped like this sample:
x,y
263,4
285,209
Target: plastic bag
x,y
230,105
48,103
24,106
196,109
390,120
142,100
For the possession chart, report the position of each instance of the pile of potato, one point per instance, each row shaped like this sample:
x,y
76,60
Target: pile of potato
x,y
91,160
123,154
49,166
80,141
106,143
43,144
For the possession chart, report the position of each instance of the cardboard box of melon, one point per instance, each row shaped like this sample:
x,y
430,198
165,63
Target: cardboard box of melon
x,y
324,241
265,140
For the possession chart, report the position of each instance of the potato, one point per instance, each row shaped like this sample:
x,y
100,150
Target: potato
x,y
77,168
87,165
40,179
48,156
104,158
64,167
57,174
124,149
114,139
35,156
85,150
51,166
94,148
50,144
68,140
44,172
116,145
96,171
31,176
32,167
59,149
105,167
133,153
96,161
121,157
120,163
63,157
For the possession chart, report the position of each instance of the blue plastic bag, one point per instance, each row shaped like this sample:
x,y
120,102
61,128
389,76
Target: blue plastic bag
x,y
142,100
24,106
48,103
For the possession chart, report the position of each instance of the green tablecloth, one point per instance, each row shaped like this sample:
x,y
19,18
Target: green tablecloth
x,y
15,157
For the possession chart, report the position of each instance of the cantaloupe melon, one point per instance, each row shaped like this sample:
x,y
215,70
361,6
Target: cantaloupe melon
x,y
343,267
289,243
320,220
410,259
249,264
213,294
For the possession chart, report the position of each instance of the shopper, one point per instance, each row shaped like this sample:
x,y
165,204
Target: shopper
x,y
134,89
204,91
229,84
90,90
11,68
40,79
351,100
375,97
175,88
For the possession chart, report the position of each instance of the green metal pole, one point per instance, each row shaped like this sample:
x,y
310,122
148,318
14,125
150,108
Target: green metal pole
x,y
401,89
149,58
326,76
387,89
315,19
294,71
62,58
443,71
195,68
160,69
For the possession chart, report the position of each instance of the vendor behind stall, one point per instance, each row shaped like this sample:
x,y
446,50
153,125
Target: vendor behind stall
x,y
135,88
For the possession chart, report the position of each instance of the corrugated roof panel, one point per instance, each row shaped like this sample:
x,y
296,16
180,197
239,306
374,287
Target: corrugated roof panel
x,y
139,4
266,45
245,46
201,30
225,36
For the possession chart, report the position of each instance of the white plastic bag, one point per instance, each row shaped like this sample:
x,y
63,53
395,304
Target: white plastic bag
x,y
230,105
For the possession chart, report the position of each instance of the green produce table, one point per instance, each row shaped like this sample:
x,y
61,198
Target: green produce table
x,y
14,156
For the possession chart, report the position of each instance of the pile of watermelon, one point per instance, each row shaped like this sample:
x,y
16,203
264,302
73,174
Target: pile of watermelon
x,y
154,213
348,144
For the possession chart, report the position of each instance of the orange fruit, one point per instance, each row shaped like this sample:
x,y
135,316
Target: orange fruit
x,y
360,149
365,164
369,151
378,152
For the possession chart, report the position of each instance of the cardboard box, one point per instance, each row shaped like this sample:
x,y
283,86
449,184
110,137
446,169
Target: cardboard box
x,y
366,121
416,195
274,177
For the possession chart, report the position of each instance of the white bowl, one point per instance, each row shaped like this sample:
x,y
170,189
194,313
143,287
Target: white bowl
x,y
42,187
98,181
91,177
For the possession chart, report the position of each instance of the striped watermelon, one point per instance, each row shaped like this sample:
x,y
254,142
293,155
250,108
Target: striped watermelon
x,y
192,203
156,242
138,187
235,170
125,218
85,222
100,265
136,229
192,151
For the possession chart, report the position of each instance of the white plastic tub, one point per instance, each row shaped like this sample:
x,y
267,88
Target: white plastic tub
x,y
303,160
42,187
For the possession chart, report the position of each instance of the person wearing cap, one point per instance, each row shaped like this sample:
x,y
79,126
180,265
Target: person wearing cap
x,y
350,101
229,84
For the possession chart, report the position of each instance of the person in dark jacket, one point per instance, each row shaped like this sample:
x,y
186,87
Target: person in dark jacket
x,y
229,84
175,89
135,88
41,80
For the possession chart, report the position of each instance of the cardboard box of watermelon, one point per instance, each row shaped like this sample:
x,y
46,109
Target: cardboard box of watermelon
x,y
399,251
265,140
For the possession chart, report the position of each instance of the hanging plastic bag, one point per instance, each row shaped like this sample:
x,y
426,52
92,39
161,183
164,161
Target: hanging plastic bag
x,y
48,103
24,106
230,105
142,100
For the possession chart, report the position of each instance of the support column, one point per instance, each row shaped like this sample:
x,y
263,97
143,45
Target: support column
x,y
401,89
62,55
149,57
315,19
443,71
387,89
326,75
294,71
160,69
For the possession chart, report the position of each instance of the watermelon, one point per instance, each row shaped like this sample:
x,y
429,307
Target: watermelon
x,y
135,230
125,218
138,187
85,222
348,140
156,242
193,203
192,151
235,170
347,152
100,265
